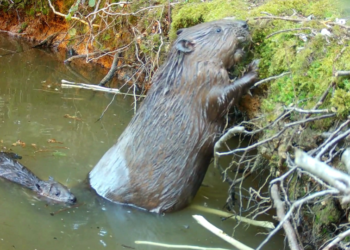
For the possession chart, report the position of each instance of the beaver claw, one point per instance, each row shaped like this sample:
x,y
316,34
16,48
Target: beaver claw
x,y
254,66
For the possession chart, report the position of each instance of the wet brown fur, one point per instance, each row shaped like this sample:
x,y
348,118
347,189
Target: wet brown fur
x,y
12,170
161,158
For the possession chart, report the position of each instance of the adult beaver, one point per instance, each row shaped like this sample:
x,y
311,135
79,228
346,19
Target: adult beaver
x,y
12,170
160,160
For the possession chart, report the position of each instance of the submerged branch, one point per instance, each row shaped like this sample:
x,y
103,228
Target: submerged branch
x,y
218,232
265,224
175,246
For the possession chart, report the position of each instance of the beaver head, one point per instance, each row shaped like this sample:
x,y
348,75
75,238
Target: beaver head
x,y
221,40
55,191
220,43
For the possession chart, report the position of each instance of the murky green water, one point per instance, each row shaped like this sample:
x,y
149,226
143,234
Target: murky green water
x,y
32,110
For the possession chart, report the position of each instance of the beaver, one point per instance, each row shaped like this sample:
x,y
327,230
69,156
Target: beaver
x,y
160,160
12,170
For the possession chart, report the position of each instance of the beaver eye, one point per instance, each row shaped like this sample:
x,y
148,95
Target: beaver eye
x,y
218,30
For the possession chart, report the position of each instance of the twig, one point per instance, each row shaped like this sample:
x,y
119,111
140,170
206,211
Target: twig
x,y
288,228
112,70
218,232
299,20
337,239
288,125
85,55
332,142
282,31
310,111
296,20
270,78
73,17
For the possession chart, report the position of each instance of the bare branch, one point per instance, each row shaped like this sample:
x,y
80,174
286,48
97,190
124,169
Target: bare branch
x,y
73,17
288,228
270,79
218,232
334,177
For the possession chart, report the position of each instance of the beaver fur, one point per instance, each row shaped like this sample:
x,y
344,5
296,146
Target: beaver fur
x,y
12,170
160,160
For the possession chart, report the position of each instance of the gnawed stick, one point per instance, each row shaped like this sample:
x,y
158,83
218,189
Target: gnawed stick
x,y
218,232
175,246
265,224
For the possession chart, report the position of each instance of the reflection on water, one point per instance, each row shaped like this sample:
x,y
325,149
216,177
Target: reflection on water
x,y
34,109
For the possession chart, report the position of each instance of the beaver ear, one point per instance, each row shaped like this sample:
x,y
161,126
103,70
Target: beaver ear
x,y
185,46
179,31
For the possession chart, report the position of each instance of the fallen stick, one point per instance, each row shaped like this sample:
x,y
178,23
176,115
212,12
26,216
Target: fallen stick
x,y
265,224
287,226
67,84
176,246
218,232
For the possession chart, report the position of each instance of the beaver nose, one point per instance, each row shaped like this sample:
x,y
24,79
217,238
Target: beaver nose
x,y
243,24
73,200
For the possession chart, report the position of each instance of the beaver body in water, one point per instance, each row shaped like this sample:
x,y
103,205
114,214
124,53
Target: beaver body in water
x,y
160,160
12,170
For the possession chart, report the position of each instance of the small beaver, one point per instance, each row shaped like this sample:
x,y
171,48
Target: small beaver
x,y
12,170
160,160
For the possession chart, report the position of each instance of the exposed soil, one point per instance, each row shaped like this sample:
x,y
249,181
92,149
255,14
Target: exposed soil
x,y
37,28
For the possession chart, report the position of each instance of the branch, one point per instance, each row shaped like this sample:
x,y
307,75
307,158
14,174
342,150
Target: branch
x,y
279,205
112,70
86,55
218,232
337,239
270,78
310,111
265,224
332,142
336,178
282,31
73,17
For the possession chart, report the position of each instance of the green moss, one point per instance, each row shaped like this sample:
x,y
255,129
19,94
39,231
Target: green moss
x,y
189,14
317,8
24,25
311,62
325,214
